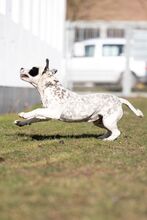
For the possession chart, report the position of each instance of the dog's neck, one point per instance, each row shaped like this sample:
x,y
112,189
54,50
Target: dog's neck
x,y
48,81
52,84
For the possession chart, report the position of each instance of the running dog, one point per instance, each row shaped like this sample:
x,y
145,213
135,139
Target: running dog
x,y
104,110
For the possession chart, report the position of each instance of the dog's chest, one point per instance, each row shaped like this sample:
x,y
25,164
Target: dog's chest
x,y
53,97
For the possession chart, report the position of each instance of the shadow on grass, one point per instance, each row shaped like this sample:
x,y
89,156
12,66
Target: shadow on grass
x,y
58,136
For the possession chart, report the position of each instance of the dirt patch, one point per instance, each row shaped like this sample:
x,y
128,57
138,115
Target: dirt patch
x,y
2,159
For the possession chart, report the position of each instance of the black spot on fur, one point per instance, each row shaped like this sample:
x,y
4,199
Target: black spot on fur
x,y
59,92
54,71
52,83
34,71
48,84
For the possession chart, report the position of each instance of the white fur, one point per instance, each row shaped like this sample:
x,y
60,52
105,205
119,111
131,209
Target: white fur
x,y
104,110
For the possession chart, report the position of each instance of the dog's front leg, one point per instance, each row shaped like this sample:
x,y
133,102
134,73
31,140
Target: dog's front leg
x,y
41,113
28,122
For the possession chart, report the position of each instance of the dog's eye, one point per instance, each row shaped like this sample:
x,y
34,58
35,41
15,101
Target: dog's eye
x,y
34,71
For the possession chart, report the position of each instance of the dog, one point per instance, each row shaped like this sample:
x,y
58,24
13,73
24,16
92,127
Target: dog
x,y
104,110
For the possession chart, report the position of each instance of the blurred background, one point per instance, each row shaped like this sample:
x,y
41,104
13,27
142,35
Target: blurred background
x,y
96,45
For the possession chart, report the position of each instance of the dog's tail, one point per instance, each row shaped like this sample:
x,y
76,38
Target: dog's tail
x,y
136,111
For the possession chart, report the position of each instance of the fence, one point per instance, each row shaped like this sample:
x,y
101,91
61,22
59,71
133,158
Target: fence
x,y
15,99
30,31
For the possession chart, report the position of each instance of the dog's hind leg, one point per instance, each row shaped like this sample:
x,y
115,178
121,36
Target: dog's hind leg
x,y
110,123
113,133
99,123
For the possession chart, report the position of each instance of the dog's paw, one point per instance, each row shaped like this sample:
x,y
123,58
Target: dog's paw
x,y
21,123
18,123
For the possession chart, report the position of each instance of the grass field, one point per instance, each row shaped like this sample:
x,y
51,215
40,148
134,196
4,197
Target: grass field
x,y
61,171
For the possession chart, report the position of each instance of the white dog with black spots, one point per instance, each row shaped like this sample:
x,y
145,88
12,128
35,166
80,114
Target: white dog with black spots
x,y
104,110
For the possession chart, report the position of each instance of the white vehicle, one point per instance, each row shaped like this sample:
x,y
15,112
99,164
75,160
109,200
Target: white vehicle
x,y
102,61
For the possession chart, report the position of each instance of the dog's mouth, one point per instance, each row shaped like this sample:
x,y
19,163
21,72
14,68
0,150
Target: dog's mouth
x,y
23,75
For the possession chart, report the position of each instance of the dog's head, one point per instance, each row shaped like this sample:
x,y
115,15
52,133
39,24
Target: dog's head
x,y
35,74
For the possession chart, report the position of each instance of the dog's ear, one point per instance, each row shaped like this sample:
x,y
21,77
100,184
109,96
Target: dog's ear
x,y
46,68
54,71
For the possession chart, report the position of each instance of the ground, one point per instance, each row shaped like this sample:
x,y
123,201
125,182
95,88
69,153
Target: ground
x,y
61,171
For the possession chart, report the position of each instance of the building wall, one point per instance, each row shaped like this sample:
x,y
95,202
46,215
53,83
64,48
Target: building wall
x,y
30,31
15,99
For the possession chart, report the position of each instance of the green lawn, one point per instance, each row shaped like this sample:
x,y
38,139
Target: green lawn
x,y
61,171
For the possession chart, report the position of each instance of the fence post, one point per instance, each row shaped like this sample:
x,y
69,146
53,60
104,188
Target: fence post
x,y
70,37
20,16
127,78
103,31
31,15
8,8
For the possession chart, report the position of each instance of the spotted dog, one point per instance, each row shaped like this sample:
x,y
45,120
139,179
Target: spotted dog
x,y
104,110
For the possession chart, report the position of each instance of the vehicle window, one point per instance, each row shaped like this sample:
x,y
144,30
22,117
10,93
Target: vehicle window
x,y
89,50
113,50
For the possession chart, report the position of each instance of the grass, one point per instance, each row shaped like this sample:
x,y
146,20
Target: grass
x,y
61,171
